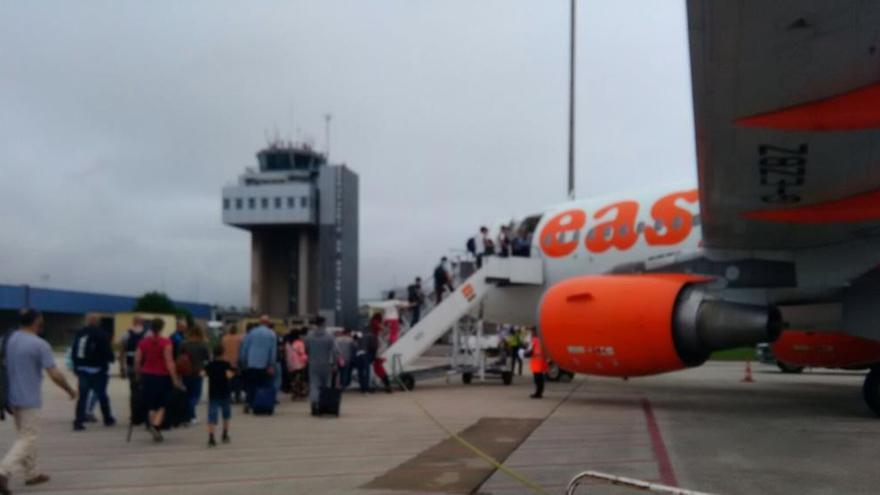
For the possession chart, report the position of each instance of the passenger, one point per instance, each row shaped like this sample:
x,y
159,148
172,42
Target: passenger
x,y
321,349
231,342
416,299
196,348
365,343
483,243
92,355
128,345
154,362
345,347
258,350
522,243
503,244
538,364
179,335
391,314
297,362
26,356
442,279
376,346
219,373
280,366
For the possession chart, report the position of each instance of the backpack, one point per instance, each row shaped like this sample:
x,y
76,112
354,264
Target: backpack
x,y
183,363
4,377
472,246
412,295
86,351
439,275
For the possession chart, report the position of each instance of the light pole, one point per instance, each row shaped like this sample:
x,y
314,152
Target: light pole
x,y
571,65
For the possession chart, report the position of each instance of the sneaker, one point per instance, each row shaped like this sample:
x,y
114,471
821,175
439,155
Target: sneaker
x,y
37,480
91,418
193,422
79,427
110,422
535,396
211,441
157,435
226,438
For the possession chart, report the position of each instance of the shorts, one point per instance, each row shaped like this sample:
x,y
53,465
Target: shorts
x,y
156,390
215,406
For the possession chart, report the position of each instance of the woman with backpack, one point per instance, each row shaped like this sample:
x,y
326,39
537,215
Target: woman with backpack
x,y
154,362
194,350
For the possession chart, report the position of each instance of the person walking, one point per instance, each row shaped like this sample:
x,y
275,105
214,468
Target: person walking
x,y
345,346
195,347
92,355
539,365
483,245
515,343
26,356
297,362
219,373
391,315
128,345
503,243
374,351
322,352
231,342
178,337
157,373
258,350
442,279
364,342
416,299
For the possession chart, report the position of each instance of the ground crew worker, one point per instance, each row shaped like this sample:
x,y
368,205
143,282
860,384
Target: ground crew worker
x,y
538,364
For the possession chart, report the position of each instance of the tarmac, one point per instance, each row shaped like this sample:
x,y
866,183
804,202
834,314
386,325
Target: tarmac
x,y
701,429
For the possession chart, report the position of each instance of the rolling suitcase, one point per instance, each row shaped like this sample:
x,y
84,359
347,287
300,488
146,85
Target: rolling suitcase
x,y
264,400
329,400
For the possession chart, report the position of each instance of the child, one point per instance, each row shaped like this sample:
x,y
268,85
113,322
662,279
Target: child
x,y
219,374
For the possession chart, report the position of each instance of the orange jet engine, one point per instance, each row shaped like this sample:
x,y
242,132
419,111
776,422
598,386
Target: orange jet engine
x,y
635,325
826,350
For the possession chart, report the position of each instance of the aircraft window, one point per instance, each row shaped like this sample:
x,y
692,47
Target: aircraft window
x,y
591,234
252,203
225,203
624,230
606,234
677,223
696,220
291,202
640,227
264,202
238,203
658,225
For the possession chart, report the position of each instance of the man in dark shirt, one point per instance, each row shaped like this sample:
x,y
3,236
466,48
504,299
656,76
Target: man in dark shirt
x,y
92,355
219,373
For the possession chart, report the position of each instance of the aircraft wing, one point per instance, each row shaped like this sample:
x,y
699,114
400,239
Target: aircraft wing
x,y
787,117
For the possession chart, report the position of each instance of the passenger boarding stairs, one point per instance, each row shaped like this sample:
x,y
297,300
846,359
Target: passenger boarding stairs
x,y
464,300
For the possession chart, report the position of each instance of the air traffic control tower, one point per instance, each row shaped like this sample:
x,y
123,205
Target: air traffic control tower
x,y
303,218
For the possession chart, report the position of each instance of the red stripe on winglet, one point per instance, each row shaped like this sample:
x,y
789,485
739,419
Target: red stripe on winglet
x,y
860,208
664,465
853,110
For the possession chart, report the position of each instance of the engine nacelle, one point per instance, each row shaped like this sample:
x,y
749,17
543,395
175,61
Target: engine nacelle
x,y
633,325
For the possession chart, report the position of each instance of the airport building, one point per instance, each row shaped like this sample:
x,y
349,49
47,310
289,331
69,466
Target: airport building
x,y
302,214
64,311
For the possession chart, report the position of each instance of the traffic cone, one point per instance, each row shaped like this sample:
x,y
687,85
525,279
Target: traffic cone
x,y
748,378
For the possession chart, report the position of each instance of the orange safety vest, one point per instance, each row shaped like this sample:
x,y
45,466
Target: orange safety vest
x,y
538,361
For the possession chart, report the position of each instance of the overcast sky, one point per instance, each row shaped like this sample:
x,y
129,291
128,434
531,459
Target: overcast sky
x,y
121,121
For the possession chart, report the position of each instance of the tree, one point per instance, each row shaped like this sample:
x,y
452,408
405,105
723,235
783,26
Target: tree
x,y
159,302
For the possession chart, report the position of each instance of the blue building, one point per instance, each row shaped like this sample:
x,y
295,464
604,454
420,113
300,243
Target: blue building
x,y
65,310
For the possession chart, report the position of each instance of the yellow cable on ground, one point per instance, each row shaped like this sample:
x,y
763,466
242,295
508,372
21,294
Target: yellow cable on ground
x,y
534,487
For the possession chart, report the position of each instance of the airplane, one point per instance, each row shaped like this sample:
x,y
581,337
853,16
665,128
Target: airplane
x,y
779,241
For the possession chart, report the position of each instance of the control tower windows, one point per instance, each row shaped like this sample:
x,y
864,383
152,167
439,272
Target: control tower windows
x,y
225,203
264,203
238,203
277,203
252,203
291,202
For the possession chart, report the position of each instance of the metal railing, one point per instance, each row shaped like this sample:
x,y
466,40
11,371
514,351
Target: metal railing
x,y
629,482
